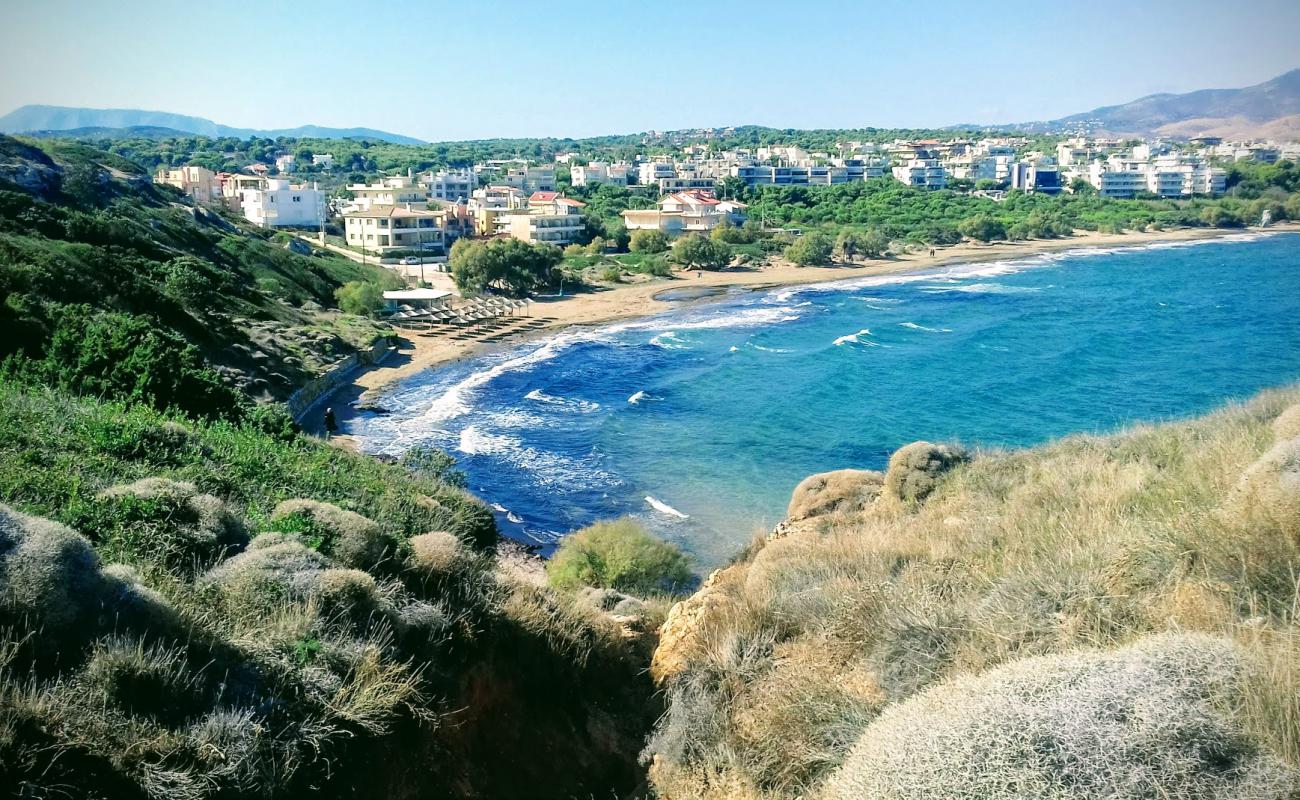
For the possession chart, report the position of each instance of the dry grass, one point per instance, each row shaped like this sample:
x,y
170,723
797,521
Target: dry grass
x,y
1090,542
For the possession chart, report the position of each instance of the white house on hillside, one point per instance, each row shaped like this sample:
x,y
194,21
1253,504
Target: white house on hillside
x,y
280,204
686,212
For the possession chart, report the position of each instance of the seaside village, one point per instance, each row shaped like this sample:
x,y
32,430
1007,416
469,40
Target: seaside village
x,y
410,221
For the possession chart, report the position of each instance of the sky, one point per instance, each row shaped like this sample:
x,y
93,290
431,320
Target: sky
x,y
499,68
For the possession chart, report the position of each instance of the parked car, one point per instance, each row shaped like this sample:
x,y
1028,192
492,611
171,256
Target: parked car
x,y
412,260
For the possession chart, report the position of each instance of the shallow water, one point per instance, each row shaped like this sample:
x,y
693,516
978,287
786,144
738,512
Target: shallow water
x,y
701,421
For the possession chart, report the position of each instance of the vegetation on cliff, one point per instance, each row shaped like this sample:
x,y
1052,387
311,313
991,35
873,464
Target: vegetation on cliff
x,y
1100,617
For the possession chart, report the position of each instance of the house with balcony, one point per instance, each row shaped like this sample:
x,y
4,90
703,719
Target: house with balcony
x,y
1117,178
198,183
281,204
599,172
453,186
686,212
383,228
549,218
531,179
922,173
398,190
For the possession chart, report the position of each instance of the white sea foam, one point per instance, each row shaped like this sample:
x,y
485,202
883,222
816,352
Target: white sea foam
x,y
767,349
668,340
664,508
510,515
546,468
575,405
455,400
982,288
636,398
916,327
852,338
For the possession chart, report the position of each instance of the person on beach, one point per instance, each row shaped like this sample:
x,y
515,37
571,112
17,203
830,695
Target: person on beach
x,y
931,252
331,424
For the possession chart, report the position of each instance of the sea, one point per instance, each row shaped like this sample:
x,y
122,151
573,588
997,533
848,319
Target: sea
x,y
699,422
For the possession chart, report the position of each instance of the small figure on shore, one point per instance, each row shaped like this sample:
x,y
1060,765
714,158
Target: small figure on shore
x,y
699,274
931,252
331,424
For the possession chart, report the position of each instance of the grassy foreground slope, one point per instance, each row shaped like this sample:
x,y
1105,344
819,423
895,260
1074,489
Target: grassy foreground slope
x,y
203,610
1101,617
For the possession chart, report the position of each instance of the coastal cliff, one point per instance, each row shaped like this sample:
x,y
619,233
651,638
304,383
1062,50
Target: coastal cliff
x,y
1099,617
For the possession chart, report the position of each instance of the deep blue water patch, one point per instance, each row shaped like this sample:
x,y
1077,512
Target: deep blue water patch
x,y
715,412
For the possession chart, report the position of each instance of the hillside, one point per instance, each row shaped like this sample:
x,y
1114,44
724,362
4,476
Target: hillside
x,y
1102,617
48,119
1243,112
190,308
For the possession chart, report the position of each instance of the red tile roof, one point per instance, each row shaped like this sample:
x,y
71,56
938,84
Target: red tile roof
x,y
542,197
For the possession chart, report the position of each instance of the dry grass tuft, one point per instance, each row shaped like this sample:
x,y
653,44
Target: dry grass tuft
x,y
1287,424
343,535
847,491
914,469
437,554
1148,720
48,573
1269,490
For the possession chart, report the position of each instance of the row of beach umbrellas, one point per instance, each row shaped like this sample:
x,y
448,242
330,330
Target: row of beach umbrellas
x,y
474,311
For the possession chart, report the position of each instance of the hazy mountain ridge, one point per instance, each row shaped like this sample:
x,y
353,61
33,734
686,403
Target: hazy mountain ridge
x,y
68,120
1260,110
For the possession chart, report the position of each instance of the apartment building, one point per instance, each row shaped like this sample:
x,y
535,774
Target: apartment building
x,y
281,204
599,172
490,205
1041,177
531,179
1174,176
686,212
284,163
397,190
922,173
549,218
198,183
450,185
1117,178
382,228
650,173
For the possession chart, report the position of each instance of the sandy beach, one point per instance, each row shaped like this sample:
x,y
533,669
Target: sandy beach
x,y
419,352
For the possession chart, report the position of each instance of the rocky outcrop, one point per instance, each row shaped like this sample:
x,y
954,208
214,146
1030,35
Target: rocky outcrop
x,y
684,621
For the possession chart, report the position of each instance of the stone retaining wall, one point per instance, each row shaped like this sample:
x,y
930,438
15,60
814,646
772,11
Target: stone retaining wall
x,y
301,401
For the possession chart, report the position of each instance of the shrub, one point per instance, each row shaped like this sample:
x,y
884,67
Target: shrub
x,y
346,594
841,491
648,241
618,555
430,462
810,250
360,298
48,573
982,228
914,469
436,554
611,274
166,522
1149,720
344,535
263,574
1287,424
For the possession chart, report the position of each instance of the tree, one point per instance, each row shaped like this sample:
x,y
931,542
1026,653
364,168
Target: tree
x,y
732,188
508,265
360,298
1080,186
701,252
810,249
1218,217
648,241
982,228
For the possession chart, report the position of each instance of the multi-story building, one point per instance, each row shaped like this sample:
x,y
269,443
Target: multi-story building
x,y
280,204
490,205
1042,177
922,173
325,160
550,218
198,183
397,190
284,163
1174,176
451,185
1117,178
531,179
686,212
381,228
599,172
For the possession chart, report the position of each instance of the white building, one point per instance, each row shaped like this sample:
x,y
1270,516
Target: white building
x,y
1117,178
284,163
531,179
1042,177
922,173
451,185
686,212
599,172
549,219
322,160
380,228
280,204
397,190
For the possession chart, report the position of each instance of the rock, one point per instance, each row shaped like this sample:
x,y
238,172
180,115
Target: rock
x,y
298,246
914,469
841,491
685,620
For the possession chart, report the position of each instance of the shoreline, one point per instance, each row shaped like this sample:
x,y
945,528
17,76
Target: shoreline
x,y
417,353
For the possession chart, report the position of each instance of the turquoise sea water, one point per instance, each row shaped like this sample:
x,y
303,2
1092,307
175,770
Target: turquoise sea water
x,y
701,421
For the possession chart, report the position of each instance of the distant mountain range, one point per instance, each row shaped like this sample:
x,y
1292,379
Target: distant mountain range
x,y
1270,109
117,121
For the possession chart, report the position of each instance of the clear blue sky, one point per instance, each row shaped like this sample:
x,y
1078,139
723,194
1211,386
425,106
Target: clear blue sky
x,y
484,68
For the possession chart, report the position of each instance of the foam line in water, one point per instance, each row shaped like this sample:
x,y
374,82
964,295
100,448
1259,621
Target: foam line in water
x,y
664,508
852,337
915,327
636,398
580,406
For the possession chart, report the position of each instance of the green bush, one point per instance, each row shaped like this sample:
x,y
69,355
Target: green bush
x,y
618,555
701,252
810,250
343,535
163,522
362,299
648,241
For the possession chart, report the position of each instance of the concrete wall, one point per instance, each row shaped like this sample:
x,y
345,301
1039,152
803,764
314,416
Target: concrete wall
x,y
301,401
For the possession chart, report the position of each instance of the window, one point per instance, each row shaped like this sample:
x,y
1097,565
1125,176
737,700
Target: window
x,y
296,198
